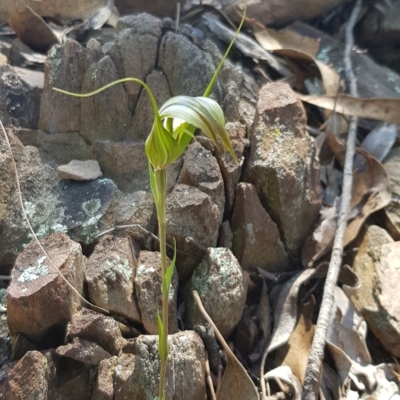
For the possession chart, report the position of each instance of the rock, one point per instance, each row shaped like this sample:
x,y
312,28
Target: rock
x,y
72,380
136,376
392,211
20,102
4,331
37,179
225,238
29,378
143,118
61,146
196,66
230,171
104,388
110,276
377,267
283,165
125,163
35,79
256,239
80,170
135,51
35,284
134,209
222,287
191,212
64,69
81,207
83,351
148,292
20,345
97,328
106,115
200,169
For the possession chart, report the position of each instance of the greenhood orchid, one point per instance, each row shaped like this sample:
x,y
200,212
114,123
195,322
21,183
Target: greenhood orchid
x,y
173,129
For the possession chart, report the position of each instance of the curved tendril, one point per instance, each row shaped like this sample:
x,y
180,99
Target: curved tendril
x,y
123,80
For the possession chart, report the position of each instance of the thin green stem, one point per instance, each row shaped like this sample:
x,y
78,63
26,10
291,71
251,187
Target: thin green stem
x,y
123,80
161,188
216,73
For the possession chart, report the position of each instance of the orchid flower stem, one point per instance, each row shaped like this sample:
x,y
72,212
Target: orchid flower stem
x,y
161,189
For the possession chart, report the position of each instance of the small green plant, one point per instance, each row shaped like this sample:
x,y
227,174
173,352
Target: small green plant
x,y
173,129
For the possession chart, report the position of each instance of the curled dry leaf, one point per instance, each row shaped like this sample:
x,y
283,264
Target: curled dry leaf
x,y
386,110
295,353
285,315
236,383
321,240
284,374
376,194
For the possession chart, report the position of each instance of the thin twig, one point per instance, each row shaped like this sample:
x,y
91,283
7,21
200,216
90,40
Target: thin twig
x,y
313,371
33,232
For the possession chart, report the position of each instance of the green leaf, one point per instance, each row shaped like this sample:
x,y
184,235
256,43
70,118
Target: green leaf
x,y
153,185
160,336
166,283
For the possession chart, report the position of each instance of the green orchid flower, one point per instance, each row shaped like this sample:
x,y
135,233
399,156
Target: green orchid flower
x,y
173,129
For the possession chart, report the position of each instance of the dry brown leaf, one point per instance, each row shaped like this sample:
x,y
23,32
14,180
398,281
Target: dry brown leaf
x,y
295,353
374,177
321,240
272,39
332,132
285,315
386,110
236,383
32,30
300,50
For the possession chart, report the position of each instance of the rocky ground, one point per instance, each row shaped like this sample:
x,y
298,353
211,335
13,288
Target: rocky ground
x,y
246,234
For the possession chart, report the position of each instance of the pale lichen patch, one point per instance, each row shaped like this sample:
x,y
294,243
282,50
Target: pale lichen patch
x,y
32,273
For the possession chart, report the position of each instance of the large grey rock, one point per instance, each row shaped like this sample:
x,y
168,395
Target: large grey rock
x,y
105,115
143,118
88,353
378,268
104,388
283,164
256,239
135,209
222,287
19,101
64,69
37,179
230,171
36,284
110,276
148,292
97,328
200,169
29,378
123,162
191,213
136,375
135,51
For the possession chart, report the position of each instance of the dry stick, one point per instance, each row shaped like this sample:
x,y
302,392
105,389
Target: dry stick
x,y
313,371
33,232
